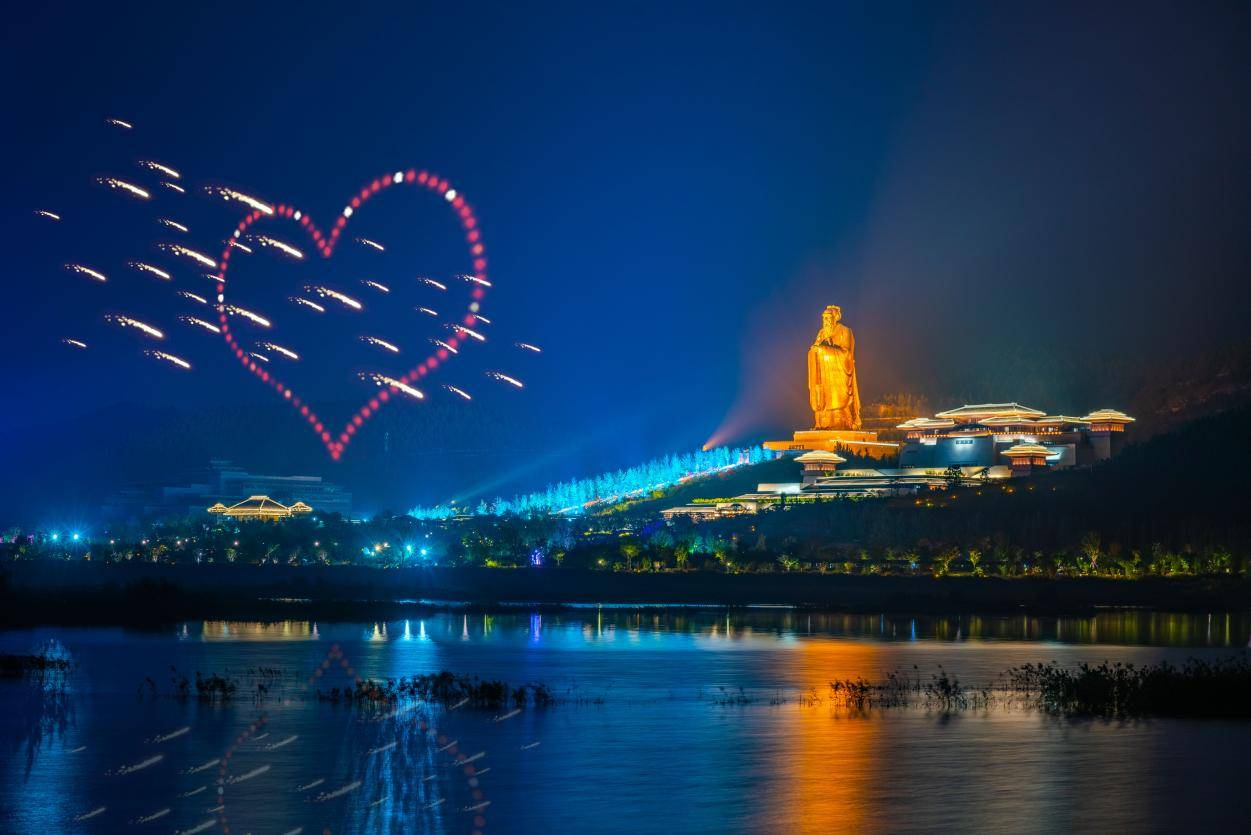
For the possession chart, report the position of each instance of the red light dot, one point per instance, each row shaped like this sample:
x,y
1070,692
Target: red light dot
x,y
421,371
442,353
351,429
325,436
479,264
356,202
343,438
473,236
410,175
317,425
384,395
304,411
365,412
421,178
357,420
478,292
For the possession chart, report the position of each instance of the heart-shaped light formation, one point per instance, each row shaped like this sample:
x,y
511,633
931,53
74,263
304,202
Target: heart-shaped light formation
x,y
325,245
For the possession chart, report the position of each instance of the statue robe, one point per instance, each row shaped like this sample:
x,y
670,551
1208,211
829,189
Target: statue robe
x,y
832,388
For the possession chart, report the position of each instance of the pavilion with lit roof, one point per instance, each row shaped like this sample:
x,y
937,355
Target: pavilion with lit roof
x,y
260,507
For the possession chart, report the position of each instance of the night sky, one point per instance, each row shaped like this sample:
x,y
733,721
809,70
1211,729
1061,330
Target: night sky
x,y
1007,203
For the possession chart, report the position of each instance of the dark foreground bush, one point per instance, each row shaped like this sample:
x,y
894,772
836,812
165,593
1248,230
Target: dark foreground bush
x,y
13,666
1219,689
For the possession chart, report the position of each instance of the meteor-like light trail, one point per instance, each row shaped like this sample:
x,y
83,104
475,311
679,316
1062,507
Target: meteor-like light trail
x,y
122,185
274,243
350,787
187,294
475,280
187,252
130,769
526,346
427,311
77,343
119,123
398,385
256,772
260,357
47,214
229,194
128,322
172,224
341,298
238,245
444,345
169,358
435,284
380,343
198,828
202,767
87,271
381,288
186,729
484,320
200,323
164,169
373,244
154,816
460,392
148,268
99,810
504,378
254,318
174,186
308,304
278,349
467,332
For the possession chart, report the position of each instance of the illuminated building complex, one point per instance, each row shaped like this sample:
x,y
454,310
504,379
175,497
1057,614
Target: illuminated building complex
x,y
986,434
971,444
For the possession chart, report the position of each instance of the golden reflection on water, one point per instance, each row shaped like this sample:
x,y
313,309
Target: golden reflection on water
x,y
235,630
835,759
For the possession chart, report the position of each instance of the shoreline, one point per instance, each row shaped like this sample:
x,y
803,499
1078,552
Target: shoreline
x,y
40,593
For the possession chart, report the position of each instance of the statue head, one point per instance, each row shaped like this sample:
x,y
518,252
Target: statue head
x,y
831,316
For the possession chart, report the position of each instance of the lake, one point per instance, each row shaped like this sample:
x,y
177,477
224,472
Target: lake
x,y
688,720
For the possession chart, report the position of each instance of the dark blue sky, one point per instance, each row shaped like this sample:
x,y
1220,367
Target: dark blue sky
x,y
670,192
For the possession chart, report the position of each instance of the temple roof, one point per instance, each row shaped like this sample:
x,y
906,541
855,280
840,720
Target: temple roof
x,y
1005,421
820,456
926,423
1024,450
1060,419
991,410
1108,416
260,506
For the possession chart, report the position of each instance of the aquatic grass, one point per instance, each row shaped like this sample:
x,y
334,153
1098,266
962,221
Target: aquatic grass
x,y
16,666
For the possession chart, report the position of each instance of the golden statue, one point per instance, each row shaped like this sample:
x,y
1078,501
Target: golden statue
x,y
832,388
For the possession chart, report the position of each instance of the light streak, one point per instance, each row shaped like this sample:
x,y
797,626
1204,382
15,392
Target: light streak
x,y
148,268
99,810
382,288
438,285
154,816
174,186
164,169
309,304
47,214
504,378
460,392
530,745
187,252
467,332
237,245
172,224
200,323
128,322
473,279
78,750
77,343
526,346
198,828
122,185
187,294
350,787
398,385
278,349
260,357
286,741
193,792
380,343
274,243
186,729
444,346
481,318
119,123
254,318
508,715
87,271
341,298
248,775
373,244
169,358
427,311
130,769
204,767
311,785
229,194
390,746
